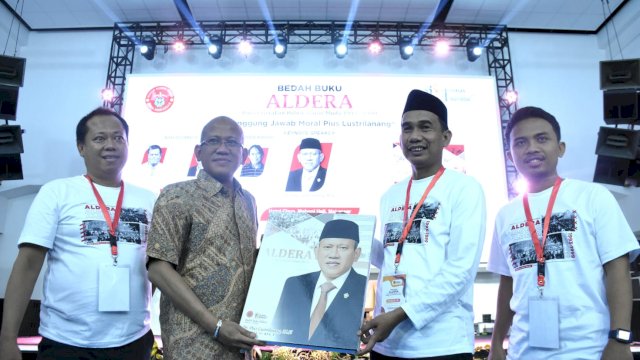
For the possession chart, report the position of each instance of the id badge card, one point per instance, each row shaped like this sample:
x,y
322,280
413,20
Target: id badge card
x,y
393,290
544,322
113,288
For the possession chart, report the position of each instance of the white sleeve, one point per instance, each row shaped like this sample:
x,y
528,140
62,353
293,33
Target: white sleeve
x,y
457,273
41,222
497,262
377,253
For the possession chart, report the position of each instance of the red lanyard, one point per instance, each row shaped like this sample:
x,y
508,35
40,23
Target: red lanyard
x,y
407,224
539,246
113,225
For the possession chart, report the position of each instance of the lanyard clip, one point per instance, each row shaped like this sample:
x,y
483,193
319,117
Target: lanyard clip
x,y
541,291
541,272
115,260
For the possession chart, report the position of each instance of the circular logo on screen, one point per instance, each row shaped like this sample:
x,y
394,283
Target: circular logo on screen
x,y
159,99
249,313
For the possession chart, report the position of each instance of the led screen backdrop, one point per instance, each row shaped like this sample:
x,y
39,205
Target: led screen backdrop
x,y
355,120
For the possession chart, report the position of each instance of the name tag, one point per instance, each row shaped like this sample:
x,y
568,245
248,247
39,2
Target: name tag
x,y
393,291
544,322
113,288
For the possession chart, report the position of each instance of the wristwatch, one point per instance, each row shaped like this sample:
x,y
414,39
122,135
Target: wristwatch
x,y
621,336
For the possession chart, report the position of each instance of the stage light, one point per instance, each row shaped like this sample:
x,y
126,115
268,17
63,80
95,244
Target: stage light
x,y
442,47
340,47
375,47
511,97
406,48
245,47
521,185
148,47
179,46
474,49
215,47
280,47
107,94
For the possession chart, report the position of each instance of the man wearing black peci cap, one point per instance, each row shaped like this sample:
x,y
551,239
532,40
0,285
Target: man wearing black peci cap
x,y
433,227
311,176
324,308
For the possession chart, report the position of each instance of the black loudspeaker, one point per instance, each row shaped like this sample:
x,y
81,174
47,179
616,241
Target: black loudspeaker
x,y
11,140
8,102
10,167
620,74
635,320
10,148
12,70
621,106
617,171
618,143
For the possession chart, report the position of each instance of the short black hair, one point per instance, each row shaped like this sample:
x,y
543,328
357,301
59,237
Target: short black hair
x,y
529,112
81,128
152,147
257,147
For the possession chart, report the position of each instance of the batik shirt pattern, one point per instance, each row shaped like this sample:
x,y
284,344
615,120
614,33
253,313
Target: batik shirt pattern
x,y
209,235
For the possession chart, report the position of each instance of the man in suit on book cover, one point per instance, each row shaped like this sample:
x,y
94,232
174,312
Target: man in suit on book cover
x,y
324,308
311,176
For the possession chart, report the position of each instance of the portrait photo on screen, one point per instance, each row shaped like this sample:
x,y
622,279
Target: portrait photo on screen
x,y
151,172
255,162
309,166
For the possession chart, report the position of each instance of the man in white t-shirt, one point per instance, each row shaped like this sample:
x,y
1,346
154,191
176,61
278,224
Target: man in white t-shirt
x,y
562,250
92,229
433,227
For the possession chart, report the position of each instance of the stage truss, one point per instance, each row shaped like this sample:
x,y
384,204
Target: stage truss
x,y
358,34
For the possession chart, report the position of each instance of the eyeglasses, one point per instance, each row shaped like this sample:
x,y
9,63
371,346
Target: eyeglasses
x,y
217,142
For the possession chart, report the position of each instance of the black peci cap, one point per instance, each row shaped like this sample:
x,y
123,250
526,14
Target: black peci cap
x,y
420,100
310,143
340,228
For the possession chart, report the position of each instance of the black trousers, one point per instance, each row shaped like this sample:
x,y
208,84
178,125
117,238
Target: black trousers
x,y
136,350
378,356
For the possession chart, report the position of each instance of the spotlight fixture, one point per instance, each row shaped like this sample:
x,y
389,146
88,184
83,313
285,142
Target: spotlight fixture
x,y
442,47
107,94
148,47
215,47
179,46
521,185
375,47
245,47
474,49
406,47
280,47
340,47
510,97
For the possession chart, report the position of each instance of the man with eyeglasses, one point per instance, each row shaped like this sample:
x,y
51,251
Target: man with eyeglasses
x,y
311,176
202,250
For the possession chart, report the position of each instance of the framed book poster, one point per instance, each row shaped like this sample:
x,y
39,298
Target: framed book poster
x,y
310,280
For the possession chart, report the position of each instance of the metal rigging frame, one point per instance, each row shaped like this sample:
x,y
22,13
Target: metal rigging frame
x,y
357,34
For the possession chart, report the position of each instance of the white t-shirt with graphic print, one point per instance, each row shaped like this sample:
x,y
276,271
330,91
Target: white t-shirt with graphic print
x,y
586,230
65,218
440,259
